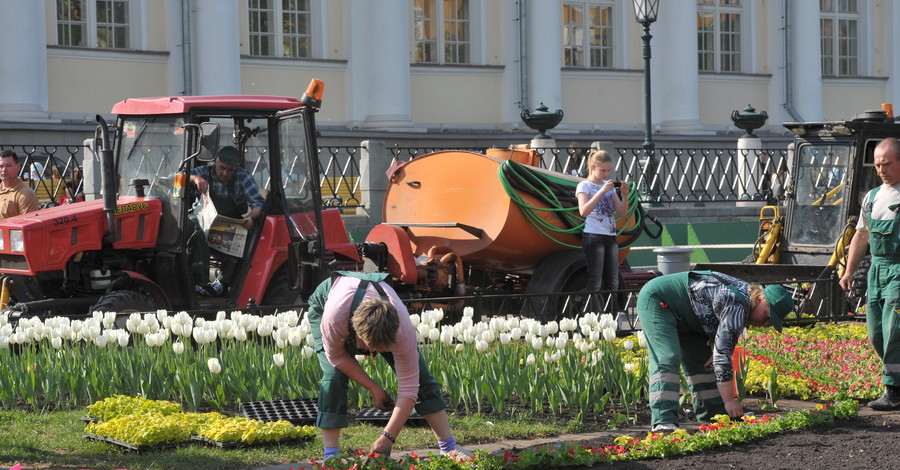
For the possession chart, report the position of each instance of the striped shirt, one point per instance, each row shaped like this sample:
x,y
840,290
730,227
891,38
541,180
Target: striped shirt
x,y
243,191
722,315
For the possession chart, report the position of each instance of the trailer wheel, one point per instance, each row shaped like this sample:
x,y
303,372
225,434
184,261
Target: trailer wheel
x,y
563,272
279,291
124,302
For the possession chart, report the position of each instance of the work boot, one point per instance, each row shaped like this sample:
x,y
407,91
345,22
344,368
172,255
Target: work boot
x,y
216,289
889,401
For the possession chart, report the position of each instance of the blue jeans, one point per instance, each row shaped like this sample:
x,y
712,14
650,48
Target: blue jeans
x,y
601,254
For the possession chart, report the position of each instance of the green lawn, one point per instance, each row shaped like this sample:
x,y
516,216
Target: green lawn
x,y
53,440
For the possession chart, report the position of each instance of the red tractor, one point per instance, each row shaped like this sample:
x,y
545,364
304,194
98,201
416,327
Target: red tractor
x,y
131,250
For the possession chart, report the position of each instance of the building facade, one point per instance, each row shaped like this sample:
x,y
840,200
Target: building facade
x,y
454,70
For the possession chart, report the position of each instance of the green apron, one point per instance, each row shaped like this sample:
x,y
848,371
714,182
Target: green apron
x,y
883,300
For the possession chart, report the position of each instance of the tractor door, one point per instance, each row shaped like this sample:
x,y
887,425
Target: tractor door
x,y
300,196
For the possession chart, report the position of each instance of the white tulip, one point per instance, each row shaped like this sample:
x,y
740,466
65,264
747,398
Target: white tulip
x,y
595,336
280,344
4,342
142,328
550,341
240,334
481,346
296,337
279,359
220,315
537,343
515,333
123,338
468,312
628,344
642,340
214,366
178,347
609,334
629,366
56,342
447,336
307,352
553,327
264,329
459,347
505,338
176,328
100,341
488,336
434,334
529,360
561,342
415,319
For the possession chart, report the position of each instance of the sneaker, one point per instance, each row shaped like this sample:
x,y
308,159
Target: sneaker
x,y
887,402
459,453
665,427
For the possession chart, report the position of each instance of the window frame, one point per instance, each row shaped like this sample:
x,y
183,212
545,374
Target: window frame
x,y
278,35
441,42
587,47
742,53
91,23
834,57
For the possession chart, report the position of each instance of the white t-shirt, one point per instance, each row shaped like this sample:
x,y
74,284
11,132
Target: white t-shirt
x,y
886,196
601,220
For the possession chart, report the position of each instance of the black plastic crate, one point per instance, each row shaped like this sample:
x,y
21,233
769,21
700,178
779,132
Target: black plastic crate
x,y
299,412
376,416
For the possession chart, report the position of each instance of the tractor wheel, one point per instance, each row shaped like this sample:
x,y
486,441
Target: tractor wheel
x,y
279,291
563,272
856,298
124,302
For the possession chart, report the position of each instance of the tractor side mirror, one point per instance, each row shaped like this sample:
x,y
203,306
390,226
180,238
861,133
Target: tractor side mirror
x,y
209,140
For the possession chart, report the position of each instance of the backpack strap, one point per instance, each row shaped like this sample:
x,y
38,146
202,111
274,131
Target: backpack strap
x,y
357,299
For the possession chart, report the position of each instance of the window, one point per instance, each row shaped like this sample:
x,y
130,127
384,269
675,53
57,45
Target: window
x,y
719,35
294,36
591,24
94,23
441,29
840,37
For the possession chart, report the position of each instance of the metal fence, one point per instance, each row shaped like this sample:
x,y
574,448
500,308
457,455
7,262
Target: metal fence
x,y
665,176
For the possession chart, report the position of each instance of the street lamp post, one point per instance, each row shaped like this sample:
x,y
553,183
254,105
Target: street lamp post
x,y
645,12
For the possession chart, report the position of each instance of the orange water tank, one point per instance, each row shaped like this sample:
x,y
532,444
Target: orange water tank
x,y
456,199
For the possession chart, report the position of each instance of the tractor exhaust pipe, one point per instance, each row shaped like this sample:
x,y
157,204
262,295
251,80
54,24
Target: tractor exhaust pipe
x,y
108,174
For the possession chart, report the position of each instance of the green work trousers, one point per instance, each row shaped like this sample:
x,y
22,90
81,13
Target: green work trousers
x,y
675,339
883,315
332,403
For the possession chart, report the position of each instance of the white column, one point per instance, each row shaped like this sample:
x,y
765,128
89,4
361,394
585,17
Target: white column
x,y
378,64
544,53
775,65
513,74
23,73
805,59
175,43
891,48
674,75
215,47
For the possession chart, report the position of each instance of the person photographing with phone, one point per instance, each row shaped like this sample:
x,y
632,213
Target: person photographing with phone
x,y
599,202
358,314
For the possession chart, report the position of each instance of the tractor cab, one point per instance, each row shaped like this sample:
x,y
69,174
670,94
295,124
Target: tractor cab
x,y
130,245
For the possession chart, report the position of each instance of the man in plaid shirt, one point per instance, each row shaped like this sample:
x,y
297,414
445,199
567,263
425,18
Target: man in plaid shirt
x,y
234,192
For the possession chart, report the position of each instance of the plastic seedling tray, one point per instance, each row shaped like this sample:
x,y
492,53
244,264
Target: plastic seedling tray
x,y
299,412
239,445
129,446
376,416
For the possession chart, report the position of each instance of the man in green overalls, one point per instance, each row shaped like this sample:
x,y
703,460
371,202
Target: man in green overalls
x,y
692,321
878,231
234,192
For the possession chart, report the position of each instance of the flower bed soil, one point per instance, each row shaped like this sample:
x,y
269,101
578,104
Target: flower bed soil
x,y
868,441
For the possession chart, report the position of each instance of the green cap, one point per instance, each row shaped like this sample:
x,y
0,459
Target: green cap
x,y
229,156
780,304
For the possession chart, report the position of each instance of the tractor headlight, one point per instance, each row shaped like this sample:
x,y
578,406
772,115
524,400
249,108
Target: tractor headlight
x,y
16,242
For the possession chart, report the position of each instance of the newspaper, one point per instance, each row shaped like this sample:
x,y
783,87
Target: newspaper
x,y
224,234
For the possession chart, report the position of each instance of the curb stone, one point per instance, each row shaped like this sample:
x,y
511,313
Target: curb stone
x,y
784,406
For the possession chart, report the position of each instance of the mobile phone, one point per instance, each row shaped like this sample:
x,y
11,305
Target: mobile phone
x,y
617,184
